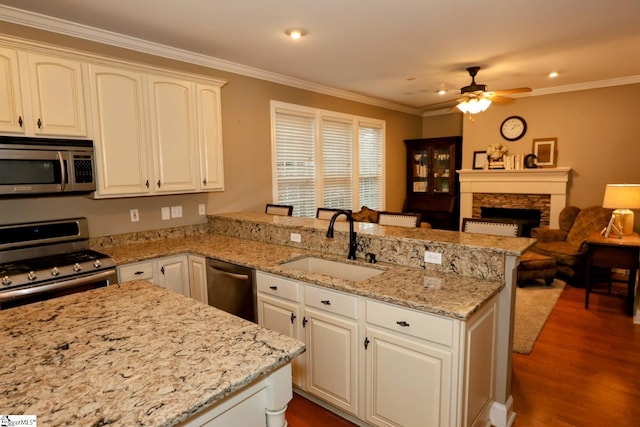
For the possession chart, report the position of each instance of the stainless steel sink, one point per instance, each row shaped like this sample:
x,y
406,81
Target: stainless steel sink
x,y
339,270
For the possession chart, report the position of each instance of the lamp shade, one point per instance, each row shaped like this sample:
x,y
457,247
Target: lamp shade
x,y
474,105
622,196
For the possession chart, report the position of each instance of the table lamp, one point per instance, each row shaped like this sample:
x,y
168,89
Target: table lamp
x,y
622,198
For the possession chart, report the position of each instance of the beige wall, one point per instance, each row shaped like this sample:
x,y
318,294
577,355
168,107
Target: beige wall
x,y
595,132
247,145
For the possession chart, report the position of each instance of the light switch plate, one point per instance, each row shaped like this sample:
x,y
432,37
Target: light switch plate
x,y
295,237
166,213
135,215
201,209
433,257
176,211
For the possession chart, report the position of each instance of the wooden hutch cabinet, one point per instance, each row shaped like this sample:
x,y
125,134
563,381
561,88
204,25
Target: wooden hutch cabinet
x,y
432,181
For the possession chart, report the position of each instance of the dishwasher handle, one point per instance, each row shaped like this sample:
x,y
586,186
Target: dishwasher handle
x,y
233,275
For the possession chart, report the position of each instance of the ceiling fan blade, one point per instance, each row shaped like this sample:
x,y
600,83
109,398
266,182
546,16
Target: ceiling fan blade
x,y
449,101
510,91
500,99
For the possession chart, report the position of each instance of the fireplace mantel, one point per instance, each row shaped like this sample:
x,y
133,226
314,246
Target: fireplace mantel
x,y
552,181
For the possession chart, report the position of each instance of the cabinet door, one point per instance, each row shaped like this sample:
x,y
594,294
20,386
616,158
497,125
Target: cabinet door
x,y
198,278
210,137
284,317
332,359
173,128
173,273
442,173
11,113
408,382
120,133
57,97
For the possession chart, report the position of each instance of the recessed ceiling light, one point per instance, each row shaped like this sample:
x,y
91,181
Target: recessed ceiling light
x,y
295,33
553,74
442,92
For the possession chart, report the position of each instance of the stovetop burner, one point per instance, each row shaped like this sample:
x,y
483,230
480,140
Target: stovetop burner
x,y
49,262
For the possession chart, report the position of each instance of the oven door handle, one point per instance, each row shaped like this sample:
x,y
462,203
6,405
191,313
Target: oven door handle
x,y
63,172
79,281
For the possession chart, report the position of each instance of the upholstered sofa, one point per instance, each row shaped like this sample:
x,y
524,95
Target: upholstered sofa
x,y
567,243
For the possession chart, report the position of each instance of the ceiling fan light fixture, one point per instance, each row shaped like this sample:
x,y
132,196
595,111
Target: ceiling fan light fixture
x,y
474,105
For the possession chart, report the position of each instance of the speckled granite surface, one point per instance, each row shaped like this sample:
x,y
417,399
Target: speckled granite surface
x,y
432,291
130,354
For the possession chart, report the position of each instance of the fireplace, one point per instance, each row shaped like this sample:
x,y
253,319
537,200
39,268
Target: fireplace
x,y
527,218
543,189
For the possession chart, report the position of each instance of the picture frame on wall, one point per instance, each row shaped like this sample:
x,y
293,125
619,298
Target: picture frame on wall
x,y
479,159
546,151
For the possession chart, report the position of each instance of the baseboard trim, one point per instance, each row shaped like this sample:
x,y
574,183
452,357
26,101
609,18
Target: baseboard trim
x,y
502,415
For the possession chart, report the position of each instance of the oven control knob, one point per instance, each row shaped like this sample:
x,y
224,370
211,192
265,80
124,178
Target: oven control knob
x,y
97,263
6,281
32,275
55,271
77,267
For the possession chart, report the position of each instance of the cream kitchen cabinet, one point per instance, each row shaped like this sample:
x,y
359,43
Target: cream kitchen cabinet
x,y
279,309
121,132
42,95
208,110
198,278
409,367
331,334
155,133
169,272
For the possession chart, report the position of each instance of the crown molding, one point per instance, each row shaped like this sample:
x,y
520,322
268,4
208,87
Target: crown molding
x,y
68,28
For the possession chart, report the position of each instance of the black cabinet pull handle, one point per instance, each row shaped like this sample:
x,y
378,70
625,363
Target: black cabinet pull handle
x,y
273,288
147,184
326,302
137,273
403,323
39,124
304,321
204,181
293,317
158,183
366,342
162,269
20,120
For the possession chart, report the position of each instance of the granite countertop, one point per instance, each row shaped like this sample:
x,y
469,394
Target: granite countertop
x,y
123,354
445,294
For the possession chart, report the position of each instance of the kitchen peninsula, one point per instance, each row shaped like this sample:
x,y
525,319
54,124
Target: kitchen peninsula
x,y
476,279
138,354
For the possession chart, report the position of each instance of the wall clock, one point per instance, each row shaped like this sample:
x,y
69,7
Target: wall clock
x,y
513,128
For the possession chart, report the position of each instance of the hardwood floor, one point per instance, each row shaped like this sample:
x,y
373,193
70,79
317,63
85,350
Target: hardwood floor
x,y
584,371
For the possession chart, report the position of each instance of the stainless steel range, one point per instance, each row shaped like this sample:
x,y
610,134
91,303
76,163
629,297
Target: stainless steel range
x,y
43,260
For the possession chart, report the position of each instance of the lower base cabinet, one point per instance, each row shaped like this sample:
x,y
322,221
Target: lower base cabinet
x,y
185,274
419,369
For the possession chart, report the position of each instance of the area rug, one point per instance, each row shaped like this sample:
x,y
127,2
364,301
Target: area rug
x,y
534,304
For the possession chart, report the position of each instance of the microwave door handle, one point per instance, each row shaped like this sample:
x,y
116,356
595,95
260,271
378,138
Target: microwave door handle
x,y
63,172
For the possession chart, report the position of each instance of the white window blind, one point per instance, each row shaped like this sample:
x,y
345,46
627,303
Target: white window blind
x,y
326,159
370,165
295,161
337,160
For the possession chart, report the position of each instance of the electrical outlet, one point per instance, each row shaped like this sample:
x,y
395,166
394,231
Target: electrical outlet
x,y
176,211
433,257
135,216
295,237
166,213
432,282
201,209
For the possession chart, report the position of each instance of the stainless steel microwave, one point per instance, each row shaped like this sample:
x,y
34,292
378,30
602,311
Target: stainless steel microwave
x,y
32,166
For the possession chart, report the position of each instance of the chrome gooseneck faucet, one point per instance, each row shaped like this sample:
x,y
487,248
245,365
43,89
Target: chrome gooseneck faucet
x,y
352,235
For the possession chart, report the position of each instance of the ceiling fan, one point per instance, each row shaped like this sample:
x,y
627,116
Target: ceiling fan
x,y
475,97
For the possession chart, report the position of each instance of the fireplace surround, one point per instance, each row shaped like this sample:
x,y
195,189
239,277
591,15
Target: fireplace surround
x,y
517,188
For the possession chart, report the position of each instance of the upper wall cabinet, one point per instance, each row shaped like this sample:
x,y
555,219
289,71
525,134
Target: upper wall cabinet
x,y
121,134
173,128
53,103
210,137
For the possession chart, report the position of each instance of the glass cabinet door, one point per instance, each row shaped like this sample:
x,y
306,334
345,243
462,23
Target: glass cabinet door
x,y
421,171
441,173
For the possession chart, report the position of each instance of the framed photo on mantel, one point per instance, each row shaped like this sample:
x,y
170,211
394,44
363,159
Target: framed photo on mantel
x,y
479,159
546,152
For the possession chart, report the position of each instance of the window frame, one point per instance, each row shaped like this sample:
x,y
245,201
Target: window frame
x,y
319,115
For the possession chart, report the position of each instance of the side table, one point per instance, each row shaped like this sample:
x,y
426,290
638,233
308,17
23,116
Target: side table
x,y
613,252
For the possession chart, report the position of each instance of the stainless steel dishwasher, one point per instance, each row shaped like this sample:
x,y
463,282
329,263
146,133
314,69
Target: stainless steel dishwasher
x,y
231,288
